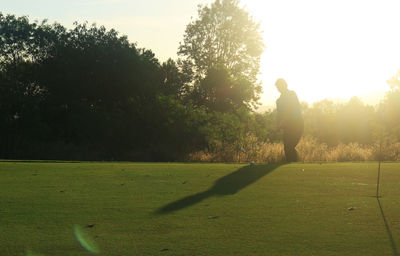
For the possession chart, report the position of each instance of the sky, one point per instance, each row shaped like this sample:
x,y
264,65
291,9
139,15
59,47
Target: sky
x,y
323,48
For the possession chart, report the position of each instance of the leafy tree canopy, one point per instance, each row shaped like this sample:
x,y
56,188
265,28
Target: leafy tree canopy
x,y
224,35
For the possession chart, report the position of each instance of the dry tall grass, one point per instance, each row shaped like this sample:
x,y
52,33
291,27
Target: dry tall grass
x,y
309,149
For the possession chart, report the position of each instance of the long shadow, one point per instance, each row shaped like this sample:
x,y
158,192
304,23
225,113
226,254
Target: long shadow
x,y
395,252
227,185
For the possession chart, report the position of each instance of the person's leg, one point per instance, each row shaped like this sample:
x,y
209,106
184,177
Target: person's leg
x,y
289,147
297,132
291,137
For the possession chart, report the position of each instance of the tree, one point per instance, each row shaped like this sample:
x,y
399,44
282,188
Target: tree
x,y
394,81
226,36
355,122
219,91
174,81
389,109
20,94
320,122
88,93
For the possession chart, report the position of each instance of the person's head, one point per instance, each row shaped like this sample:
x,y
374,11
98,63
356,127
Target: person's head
x,y
281,85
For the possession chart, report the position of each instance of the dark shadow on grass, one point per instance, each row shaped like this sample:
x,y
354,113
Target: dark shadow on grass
x,y
395,252
227,185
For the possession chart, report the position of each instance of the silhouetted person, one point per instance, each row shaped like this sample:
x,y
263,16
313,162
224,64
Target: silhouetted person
x,y
290,119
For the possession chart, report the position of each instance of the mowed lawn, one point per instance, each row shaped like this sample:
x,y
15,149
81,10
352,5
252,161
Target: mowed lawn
x,y
199,209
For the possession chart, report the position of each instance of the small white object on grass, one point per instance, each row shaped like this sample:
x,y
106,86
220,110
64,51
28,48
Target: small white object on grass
x,y
252,163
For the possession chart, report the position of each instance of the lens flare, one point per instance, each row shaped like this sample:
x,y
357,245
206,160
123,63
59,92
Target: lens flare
x,y
85,240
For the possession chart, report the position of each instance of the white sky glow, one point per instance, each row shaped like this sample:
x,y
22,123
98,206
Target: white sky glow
x,y
329,49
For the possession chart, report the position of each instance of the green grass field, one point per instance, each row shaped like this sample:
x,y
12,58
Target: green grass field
x,y
199,209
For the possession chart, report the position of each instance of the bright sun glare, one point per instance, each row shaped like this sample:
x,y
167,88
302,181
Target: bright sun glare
x,y
328,49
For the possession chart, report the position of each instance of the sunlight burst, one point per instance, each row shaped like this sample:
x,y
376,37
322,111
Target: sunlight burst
x,y
335,49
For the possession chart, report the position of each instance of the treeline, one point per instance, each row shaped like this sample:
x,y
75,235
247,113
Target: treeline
x,y
353,121
87,93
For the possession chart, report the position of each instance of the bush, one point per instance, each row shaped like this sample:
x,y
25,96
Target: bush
x,y
309,149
